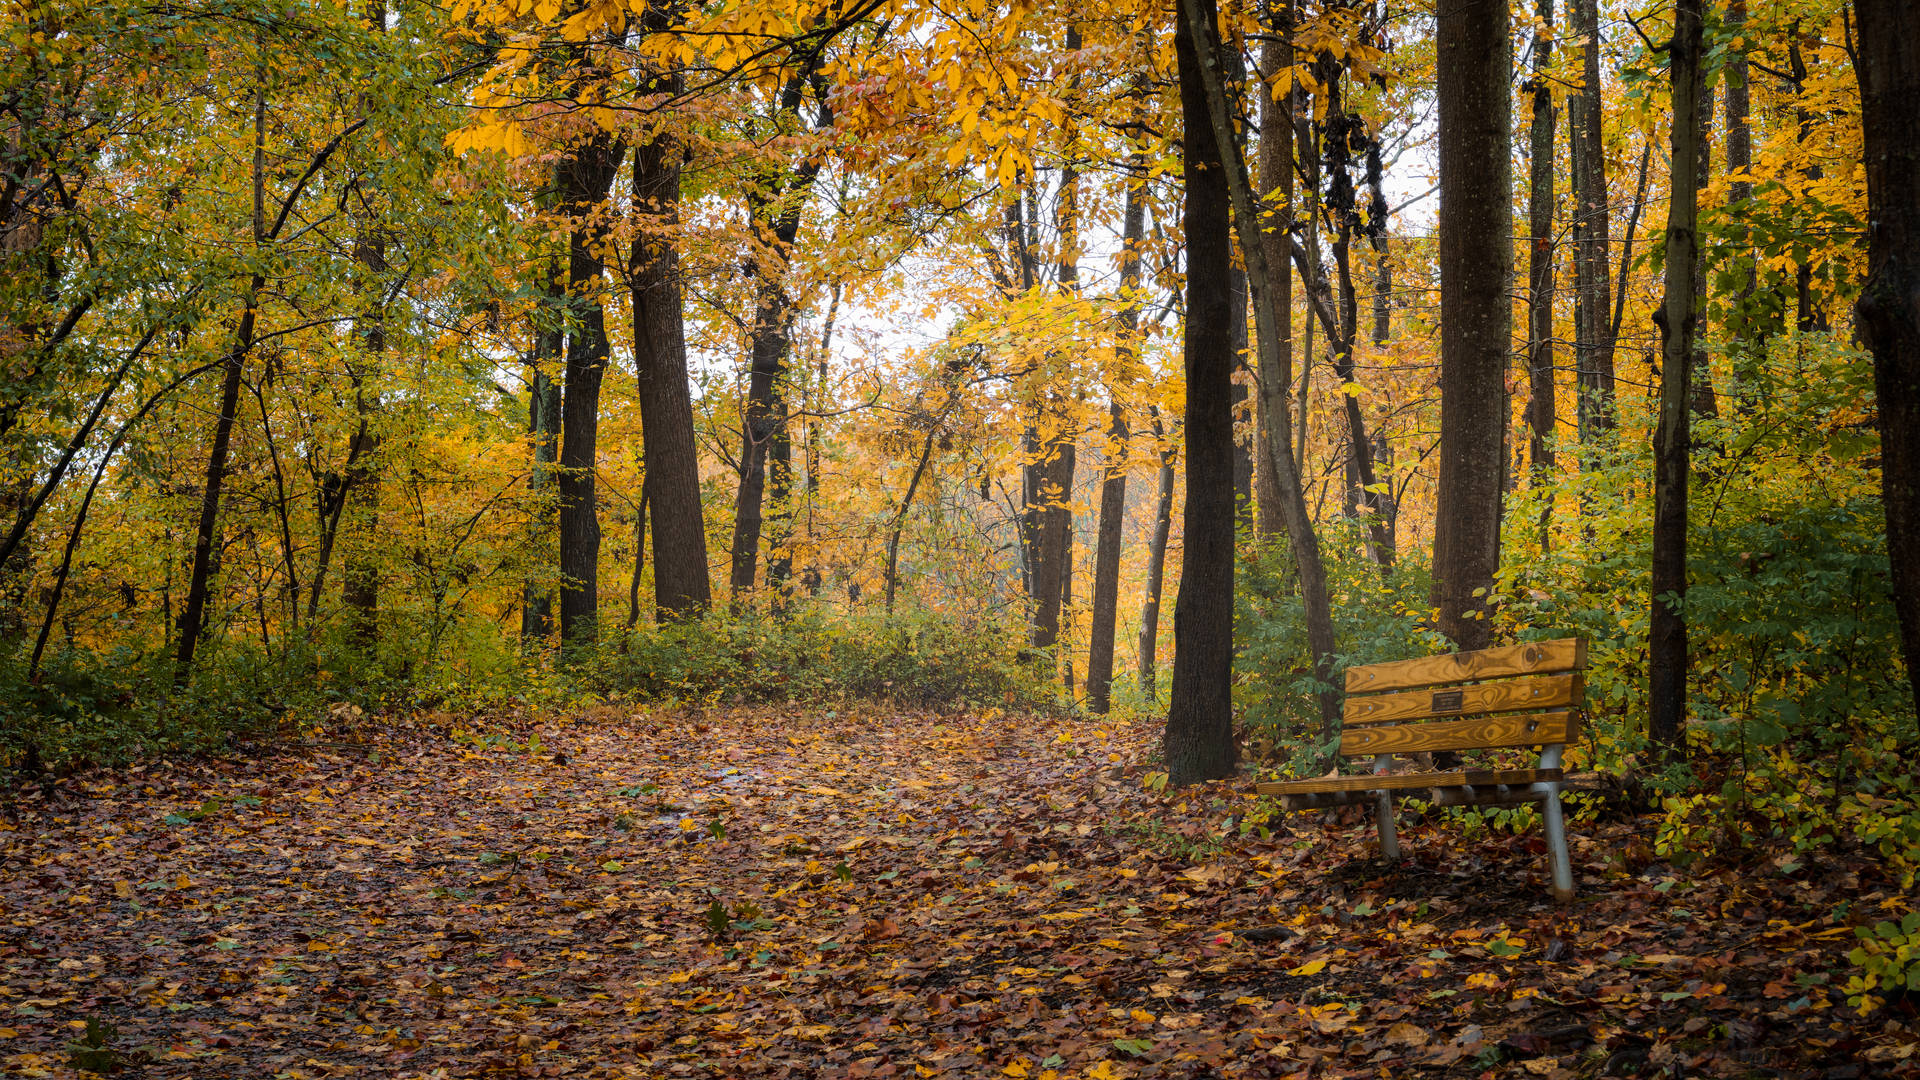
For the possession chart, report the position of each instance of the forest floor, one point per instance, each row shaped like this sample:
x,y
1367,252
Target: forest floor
x,y
752,892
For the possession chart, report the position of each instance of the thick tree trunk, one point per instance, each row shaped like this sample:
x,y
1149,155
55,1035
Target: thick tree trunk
x,y
1198,742
1156,560
1667,632
1113,486
1476,252
1889,305
1540,254
587,177
1275,366
1246,217
681,589
1593,339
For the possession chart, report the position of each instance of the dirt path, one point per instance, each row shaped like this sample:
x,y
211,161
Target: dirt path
x,y
760,893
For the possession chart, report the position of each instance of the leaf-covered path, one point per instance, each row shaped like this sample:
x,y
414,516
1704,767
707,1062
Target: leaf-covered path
x,y
766,893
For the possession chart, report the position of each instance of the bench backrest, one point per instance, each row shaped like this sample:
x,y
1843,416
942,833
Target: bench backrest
x,y
1517,695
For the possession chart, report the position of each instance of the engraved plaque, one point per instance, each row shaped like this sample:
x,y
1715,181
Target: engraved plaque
x,y
1449,701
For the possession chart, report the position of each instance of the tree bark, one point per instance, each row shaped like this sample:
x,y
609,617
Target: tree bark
x,y
1745,334
774,209
1113,486
681,589
1701,396
1593,339
587,176
1667,632
1275,366
543,430
1476,250
1203,51
360,577
1242,398
1198,742
1156,559
1246,219
206,541
1540,284
1889,304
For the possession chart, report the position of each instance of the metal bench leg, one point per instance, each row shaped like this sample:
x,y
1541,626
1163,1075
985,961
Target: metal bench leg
x,y
1383,820
1557,848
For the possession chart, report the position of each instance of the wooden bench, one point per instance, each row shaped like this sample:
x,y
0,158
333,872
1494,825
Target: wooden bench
x,y
1526,695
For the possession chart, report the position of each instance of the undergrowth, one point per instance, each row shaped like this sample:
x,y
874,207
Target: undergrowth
x,y
85,708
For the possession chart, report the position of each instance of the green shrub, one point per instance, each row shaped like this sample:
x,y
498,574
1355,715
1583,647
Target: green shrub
x,y
913,657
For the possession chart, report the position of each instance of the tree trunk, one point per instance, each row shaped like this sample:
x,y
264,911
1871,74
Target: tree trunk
x,y
639,559
1593,340
1113,487
1156,560
1889,305
1275,365
1746,335
1243,368
587,177
1246,218
1540,284
1701,396
543,428
1052,517
1382,294
1476,250
360,577
1198,742
774,209
681,589
1809,316
1667,632
900,516
206,541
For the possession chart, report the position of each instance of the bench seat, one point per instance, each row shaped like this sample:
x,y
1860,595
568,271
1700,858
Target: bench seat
x,y
1519,696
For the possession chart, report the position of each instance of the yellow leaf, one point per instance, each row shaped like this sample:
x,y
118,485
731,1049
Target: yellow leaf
x,y
1311,967
1406,1034
1018,1068
123,890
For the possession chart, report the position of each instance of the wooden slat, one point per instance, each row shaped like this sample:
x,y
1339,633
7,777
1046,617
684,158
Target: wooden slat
x,y
1410,781
1513,695
1530,658
1478,733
